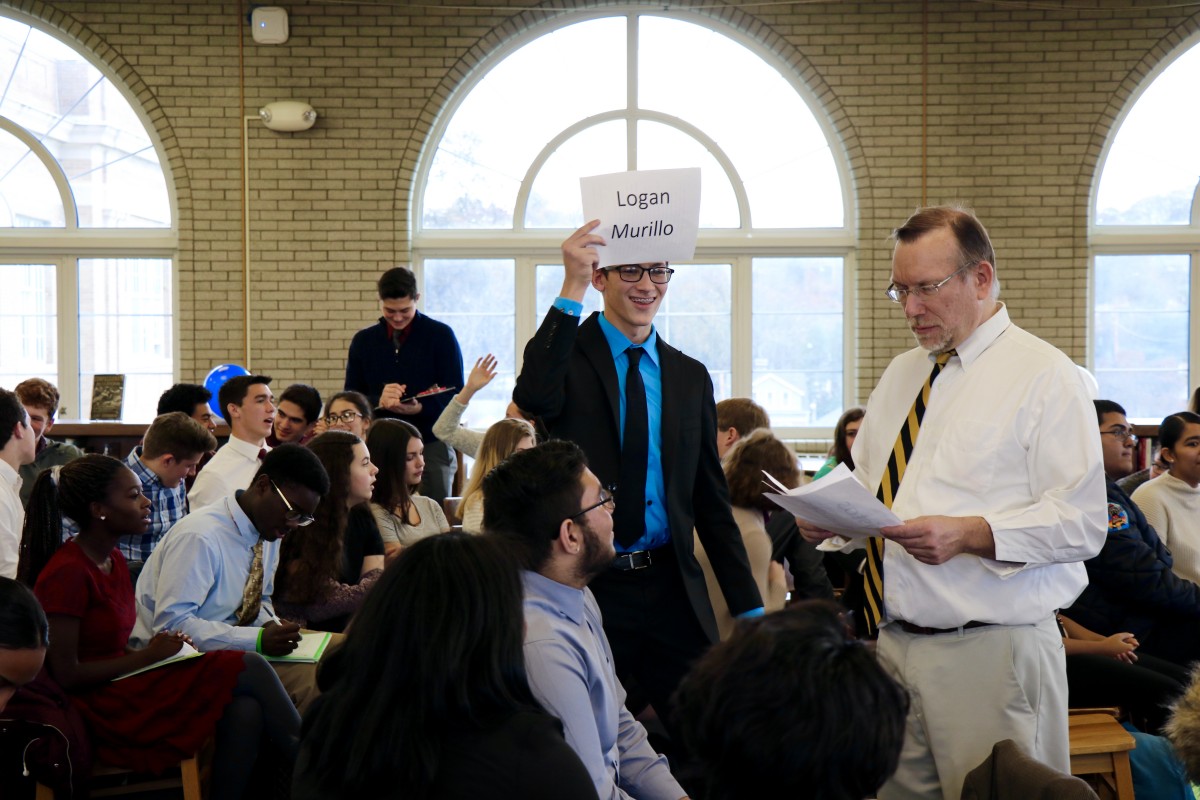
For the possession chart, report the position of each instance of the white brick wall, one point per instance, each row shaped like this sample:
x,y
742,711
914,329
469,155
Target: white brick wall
x,y
1019,103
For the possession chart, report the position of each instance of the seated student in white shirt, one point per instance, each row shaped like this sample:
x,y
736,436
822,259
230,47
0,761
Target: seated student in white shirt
x,y
17,448
249,409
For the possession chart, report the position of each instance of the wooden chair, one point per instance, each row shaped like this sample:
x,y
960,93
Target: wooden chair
x,y
106,781
1100,751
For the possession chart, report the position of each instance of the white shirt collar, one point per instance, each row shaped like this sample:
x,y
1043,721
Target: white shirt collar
x,y
983,336
10,476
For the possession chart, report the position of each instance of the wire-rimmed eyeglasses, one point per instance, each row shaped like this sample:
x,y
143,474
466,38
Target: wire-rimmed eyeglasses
x,y
293,514
1121,433
607,498
898,294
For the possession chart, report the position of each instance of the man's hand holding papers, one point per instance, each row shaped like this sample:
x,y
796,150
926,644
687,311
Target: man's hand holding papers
x,y
836,509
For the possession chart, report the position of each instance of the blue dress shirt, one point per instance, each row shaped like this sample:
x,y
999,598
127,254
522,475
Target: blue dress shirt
x,y
570,668
195,579
658,531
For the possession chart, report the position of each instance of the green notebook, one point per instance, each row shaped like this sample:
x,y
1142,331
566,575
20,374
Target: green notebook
x,y
309,651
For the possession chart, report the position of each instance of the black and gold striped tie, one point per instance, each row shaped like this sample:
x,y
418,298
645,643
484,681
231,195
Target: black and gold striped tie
x,y
888,486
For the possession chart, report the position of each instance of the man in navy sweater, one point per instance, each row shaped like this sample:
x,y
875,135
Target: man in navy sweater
x,y
401,355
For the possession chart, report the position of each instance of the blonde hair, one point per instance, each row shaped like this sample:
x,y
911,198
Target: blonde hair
x,y
498,443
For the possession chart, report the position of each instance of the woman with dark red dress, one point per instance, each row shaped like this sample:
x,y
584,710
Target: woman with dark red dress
x,y
152,720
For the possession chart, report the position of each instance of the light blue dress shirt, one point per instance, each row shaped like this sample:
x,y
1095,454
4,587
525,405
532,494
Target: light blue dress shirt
x,y
658,531
570,668
196,575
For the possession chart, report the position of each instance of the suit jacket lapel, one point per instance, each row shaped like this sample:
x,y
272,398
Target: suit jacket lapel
x,y
669,366
595,349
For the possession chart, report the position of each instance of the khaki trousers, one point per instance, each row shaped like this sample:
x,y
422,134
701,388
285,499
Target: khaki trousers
x,y
969,690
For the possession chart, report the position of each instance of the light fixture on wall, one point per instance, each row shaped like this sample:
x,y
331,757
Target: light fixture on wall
x,y
288,115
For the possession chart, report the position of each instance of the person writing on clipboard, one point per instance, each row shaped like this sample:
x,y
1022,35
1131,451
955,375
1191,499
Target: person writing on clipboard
x,y
407,353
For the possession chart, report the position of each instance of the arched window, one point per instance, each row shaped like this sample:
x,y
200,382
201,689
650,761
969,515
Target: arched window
x,y
1145,237
763,304
86,231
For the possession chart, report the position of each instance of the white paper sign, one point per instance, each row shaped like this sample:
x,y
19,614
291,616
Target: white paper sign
x,y
645,216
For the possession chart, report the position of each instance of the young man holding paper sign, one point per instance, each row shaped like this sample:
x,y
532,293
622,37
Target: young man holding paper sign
x,y
643,412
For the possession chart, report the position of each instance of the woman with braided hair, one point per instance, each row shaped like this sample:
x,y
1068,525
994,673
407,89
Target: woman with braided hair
x,y
151,720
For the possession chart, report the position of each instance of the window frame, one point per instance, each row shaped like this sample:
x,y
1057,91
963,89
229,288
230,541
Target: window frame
x,y
64,247
1150,240
736,246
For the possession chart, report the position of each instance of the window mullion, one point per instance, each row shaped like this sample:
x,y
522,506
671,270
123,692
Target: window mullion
x,y
67,280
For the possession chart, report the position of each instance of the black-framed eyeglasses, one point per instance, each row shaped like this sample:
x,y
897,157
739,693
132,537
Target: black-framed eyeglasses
x,y
346,416
607,498
1121,433
898,294
632,273
301,518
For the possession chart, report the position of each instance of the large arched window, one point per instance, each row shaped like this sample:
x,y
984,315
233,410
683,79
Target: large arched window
x,y
1145,238
763,304
86,236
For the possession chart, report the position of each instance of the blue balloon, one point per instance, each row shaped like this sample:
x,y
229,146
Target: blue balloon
x,y
216,379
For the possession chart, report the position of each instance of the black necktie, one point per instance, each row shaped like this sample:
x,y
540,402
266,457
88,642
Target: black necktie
x,y
629,519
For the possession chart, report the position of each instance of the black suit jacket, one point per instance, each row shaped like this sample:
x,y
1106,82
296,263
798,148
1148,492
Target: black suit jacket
x,y
569,381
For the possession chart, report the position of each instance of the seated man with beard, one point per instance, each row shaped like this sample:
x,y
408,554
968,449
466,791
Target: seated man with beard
x,y
550,506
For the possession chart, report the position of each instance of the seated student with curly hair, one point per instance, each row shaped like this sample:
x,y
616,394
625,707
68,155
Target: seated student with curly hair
x,y
791,705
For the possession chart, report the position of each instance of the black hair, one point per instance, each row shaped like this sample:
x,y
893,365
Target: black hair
x,y
1172,427
792,706
310,557
12,413
839,450
67,491
528,495
357,399
234,391
388,442
396,283
305,396
435,648
296,465
1107,407
23,624
182,397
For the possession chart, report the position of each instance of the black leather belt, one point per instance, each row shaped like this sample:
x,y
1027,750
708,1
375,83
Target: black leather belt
x,y
920,630
638,559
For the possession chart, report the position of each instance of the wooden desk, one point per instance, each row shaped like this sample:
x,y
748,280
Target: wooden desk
x,y
109,437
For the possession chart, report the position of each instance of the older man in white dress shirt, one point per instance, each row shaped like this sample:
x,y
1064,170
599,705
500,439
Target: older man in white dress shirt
x,y
1002,497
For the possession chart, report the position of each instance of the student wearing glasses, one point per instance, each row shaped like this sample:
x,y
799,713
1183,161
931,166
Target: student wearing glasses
x,y
347,411
213,575
644,414
551,511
